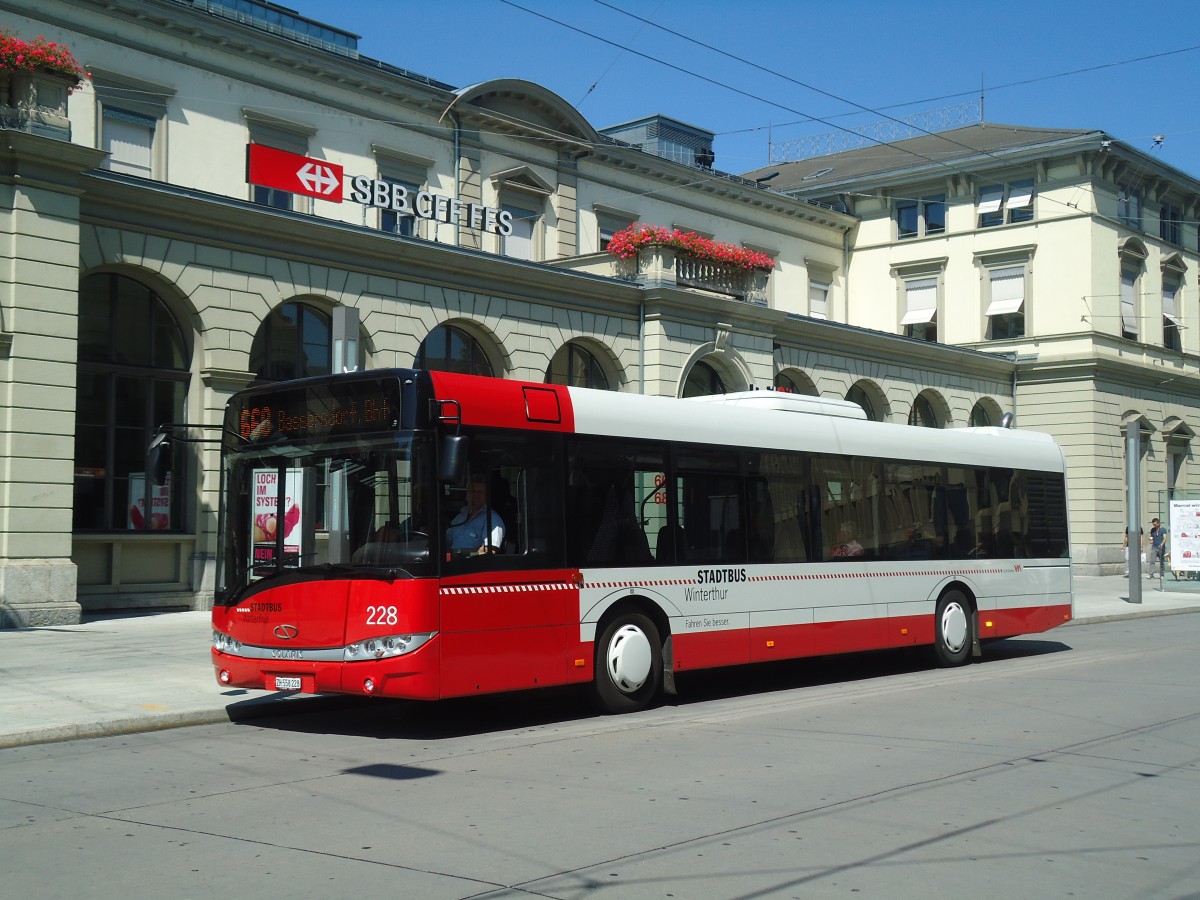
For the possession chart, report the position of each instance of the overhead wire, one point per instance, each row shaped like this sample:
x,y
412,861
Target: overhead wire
x,y
825,120
930,157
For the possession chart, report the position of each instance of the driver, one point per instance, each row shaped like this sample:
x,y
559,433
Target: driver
x,y
477,528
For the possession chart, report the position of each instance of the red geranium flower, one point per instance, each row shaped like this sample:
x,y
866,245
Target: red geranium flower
x,y
626,243
39,55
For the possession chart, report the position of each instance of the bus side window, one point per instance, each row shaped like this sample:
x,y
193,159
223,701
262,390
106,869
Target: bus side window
x,y
760,521
850,521
780,507
616,502
1046,508
523,475
503,501
712,515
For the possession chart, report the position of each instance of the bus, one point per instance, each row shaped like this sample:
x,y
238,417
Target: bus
x,y
427,535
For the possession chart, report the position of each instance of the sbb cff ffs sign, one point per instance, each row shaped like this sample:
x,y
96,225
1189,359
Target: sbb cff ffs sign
x,y
295,174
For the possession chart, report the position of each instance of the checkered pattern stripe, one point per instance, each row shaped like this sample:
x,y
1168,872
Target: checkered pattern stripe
x,y
823,576
507,588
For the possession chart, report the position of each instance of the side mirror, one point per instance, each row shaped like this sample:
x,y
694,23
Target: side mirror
x,y
452,459
158,458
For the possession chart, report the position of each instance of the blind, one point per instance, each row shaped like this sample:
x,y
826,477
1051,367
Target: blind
x,y
128,140
990,199
818,300
519,244
1020,196
1129,322
921,300
1008,290
1169,307
278,138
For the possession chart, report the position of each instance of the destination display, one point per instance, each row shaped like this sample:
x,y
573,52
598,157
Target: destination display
x,y
317,412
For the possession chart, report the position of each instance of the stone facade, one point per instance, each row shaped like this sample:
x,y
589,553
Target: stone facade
x,y
220,259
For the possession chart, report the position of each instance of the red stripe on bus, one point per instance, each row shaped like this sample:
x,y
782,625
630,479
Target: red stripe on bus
x,y
500,403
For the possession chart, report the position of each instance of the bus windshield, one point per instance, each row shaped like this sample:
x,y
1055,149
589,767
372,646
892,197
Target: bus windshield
x,y
361,503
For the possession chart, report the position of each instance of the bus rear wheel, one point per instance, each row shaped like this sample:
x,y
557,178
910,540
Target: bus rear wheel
x,y
628,670
953,629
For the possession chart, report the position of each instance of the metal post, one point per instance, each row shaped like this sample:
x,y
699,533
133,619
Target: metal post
x,y
1133,459
345,339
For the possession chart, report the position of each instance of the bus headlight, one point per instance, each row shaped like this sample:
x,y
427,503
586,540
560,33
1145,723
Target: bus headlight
x,y
223,643
386,646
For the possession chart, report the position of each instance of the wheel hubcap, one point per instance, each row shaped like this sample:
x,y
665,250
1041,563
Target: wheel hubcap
x,y
629,658
954,627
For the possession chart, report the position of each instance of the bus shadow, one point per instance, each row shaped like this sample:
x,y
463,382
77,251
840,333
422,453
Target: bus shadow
x,y
850,668
383,719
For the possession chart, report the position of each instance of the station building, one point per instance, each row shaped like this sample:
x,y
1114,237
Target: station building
x,y
148,276
1074,254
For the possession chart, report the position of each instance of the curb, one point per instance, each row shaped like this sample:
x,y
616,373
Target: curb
x,y
242,711
1137,614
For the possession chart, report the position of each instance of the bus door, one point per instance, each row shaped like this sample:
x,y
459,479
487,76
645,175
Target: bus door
x,y
712,515
507,603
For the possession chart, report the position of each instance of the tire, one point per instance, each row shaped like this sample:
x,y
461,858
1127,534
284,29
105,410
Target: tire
x,y
628,667
954,630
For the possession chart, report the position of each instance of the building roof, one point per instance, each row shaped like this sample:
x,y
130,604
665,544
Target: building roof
x,y
915,156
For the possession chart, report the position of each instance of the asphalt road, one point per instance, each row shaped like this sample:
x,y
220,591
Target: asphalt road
x,y
1063,766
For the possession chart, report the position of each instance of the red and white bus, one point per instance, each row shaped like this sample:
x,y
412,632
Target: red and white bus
x,y
615,539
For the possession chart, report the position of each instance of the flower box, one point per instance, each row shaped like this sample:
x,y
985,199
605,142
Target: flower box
x,y
663,256
628,242
36,77
40,55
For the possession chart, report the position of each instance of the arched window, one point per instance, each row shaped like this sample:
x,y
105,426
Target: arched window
x,y
793,385
923,413
980,417
702,381
449,348
295,341
575,366
132,377
784,383
856,394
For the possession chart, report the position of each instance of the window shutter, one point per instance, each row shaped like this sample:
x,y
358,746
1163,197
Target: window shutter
x,y
128,139
818,300
990,199
1020,196
921,297
1008,290
1129,321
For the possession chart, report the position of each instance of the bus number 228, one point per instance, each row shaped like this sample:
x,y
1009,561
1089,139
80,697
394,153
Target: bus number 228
x,y
381,615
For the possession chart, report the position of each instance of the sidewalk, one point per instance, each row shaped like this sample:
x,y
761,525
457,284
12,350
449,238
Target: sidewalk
x,y
146,673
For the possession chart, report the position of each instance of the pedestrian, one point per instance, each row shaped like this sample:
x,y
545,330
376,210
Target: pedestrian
x,y
1141,545
1158,548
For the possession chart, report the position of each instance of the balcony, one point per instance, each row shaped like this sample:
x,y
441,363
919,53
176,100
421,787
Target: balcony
x,y
664,266
36,102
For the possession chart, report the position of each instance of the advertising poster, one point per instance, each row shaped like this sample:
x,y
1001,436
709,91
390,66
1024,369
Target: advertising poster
x,y
1185,535
159,517
268,521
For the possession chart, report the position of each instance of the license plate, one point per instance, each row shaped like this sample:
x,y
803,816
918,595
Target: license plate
x,y
287,682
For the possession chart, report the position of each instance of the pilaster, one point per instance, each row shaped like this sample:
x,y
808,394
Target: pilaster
x,y
39,306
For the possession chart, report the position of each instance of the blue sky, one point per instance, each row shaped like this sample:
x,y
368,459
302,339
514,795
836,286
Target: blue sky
x,y
1135,65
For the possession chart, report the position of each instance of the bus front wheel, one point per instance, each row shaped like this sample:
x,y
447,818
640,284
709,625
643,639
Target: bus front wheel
x,y
953,629
628,671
